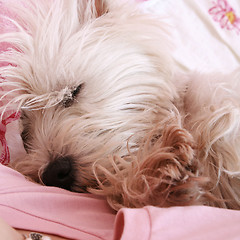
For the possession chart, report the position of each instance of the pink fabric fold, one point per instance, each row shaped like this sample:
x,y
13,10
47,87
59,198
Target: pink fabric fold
x,y
188,223
27,205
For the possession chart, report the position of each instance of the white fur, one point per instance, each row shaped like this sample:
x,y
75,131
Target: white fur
x,y
122,58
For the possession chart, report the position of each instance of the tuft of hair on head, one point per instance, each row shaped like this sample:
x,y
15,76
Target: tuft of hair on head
x,y
40,29
24,82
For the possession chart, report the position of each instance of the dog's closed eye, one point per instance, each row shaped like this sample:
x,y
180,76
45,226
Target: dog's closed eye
x,y
25,139
69,99
25,131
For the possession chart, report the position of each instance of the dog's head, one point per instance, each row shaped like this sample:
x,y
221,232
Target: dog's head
x,y
91,79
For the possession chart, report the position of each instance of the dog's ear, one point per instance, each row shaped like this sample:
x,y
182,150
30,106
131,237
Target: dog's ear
x,y
101,7
91,9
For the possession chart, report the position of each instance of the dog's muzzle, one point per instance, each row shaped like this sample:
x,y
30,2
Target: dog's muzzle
x,y
59,173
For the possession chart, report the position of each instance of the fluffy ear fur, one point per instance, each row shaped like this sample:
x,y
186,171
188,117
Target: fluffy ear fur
x,y
88,10
164,172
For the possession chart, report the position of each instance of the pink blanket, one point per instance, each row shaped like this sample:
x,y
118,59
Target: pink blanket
x,y
27,205
83,216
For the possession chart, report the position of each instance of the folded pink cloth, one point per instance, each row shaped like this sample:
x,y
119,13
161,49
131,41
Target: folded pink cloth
x,y
27,205
182,223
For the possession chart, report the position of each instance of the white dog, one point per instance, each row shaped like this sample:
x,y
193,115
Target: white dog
x,y
104,110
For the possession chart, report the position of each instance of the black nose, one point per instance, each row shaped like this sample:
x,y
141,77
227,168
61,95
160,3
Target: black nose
x,y
59,173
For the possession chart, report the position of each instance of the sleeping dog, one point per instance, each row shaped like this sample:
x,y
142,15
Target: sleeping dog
x,y
103,108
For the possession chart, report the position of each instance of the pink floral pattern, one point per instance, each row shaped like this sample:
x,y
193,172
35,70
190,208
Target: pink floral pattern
x,y
7,118
223,13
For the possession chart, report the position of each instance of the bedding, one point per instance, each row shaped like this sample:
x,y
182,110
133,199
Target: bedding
x,y
205,33
52,210
206,37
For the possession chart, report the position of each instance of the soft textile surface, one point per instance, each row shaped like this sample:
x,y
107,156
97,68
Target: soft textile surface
x,y
206,35
27,205
181,223
8,125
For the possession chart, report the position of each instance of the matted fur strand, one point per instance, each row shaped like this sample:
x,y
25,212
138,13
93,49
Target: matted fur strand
x,y
163,173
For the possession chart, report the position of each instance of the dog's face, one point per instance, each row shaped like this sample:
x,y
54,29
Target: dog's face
x,y
91,82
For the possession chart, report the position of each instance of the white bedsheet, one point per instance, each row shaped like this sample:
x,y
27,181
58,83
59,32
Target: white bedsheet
x,y
201,43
